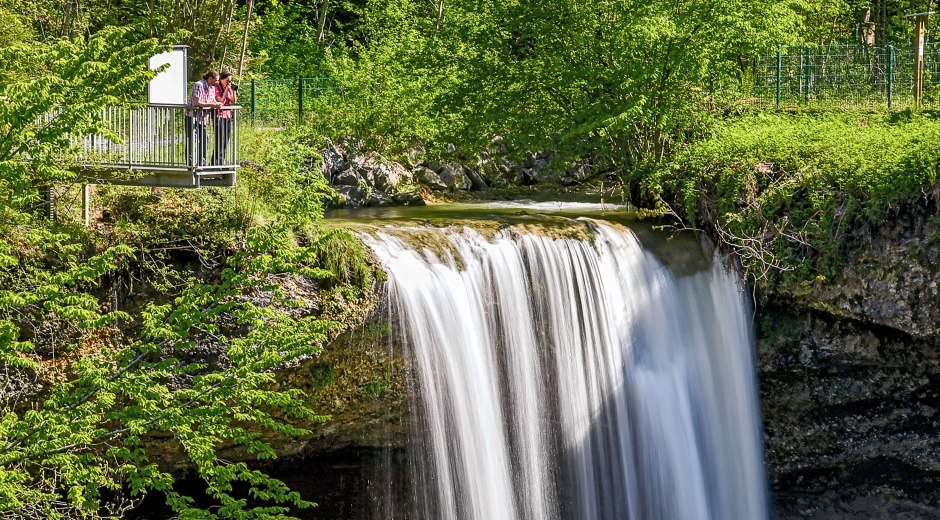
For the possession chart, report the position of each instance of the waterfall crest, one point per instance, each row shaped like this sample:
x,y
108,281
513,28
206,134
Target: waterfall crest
x,y
572,378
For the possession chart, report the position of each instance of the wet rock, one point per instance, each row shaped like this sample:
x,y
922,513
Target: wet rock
x,y
455,177
890,279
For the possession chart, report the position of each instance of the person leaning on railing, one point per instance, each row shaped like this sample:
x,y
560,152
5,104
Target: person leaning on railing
x,y
201,101
226,94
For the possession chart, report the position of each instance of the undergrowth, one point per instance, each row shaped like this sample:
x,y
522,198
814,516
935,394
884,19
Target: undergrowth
x,y
786,191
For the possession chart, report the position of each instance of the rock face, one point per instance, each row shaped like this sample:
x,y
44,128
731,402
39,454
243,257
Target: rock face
x,y
368,179
850,382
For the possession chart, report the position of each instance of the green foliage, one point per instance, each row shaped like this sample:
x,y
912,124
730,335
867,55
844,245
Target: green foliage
x,y
82,448
208,27
798,185
50,91
283,179
285,42
622,80
91,381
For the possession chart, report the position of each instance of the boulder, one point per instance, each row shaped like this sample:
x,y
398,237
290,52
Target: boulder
x,y
345,178
577,173
415,156
476,180
388,176
429,178
376,199
333,161
365,167
350,196
409,198
455,177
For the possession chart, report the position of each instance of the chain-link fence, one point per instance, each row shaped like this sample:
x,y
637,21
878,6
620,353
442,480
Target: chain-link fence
x,y
861,76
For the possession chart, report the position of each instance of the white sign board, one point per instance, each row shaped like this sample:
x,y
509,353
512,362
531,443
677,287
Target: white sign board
x,y
168,87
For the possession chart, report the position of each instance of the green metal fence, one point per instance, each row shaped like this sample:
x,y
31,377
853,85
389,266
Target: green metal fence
x,y
864,76
279,101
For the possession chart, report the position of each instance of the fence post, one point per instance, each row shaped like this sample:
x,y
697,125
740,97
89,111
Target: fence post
x,y
890,75
808,70
779,67
300,100
253,100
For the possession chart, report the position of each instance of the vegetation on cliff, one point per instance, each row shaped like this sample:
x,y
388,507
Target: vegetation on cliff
x,y
784,191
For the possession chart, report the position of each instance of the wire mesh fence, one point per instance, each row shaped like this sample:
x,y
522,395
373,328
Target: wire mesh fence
x,y
838,76
281,101
832,76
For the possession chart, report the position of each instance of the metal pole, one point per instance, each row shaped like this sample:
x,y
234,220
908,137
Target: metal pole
x,y
808,71
300,100
890,75
919,35
779,71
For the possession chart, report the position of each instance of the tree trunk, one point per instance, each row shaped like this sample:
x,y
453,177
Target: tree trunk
x,y
440,17
228,31
241,60
324,9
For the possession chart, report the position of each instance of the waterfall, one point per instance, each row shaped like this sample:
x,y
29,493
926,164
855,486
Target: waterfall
x,y
573,377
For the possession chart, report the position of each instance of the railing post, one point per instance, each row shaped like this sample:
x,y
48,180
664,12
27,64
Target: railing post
x,y
300,100
890,75
779,71
807,70
253,100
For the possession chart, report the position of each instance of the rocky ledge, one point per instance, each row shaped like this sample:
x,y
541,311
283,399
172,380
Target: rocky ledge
x,y
366,179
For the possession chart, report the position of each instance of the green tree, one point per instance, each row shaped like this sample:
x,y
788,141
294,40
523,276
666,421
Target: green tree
x,y
86,387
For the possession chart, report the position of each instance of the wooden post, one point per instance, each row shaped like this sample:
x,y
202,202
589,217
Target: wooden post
x,y
920,34
920,41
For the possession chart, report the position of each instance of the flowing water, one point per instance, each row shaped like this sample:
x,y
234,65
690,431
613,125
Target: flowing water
x,y
572,376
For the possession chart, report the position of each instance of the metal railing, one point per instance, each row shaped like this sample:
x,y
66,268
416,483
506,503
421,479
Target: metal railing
x,y
164,138
865,76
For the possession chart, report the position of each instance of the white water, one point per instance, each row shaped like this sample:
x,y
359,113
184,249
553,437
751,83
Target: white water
x,y
558,378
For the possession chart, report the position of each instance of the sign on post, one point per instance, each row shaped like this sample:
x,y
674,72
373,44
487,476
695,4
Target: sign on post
x,y
920,41
169,86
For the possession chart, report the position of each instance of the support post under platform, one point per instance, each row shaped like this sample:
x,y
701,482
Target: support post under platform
x,y
86,204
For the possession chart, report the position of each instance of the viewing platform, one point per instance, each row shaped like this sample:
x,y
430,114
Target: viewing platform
x,y
162,145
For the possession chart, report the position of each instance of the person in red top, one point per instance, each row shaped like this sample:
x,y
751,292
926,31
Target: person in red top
x,y
225,94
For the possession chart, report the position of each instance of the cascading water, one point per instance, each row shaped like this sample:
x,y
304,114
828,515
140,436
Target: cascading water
x,y
573,378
